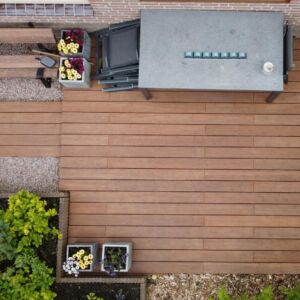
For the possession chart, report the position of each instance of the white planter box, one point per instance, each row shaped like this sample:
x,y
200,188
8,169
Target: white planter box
x,y
86,48
93,249
85,80
126,245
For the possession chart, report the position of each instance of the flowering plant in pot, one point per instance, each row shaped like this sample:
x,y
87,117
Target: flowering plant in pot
x,y
116,257
80,258
74,42
74,72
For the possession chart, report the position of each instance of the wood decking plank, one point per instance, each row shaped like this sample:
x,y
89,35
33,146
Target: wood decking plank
x,y
30,118
30,107
134,140
132,174
271,198
263,152
284,234
179,163
137,197
255,175
144,107
251,244
123,151
166,209
276,119
285,142
27,35
138,129
19,61
201,256
277,164
12,129
149,243
29,140
285,187
254,130
191,232
184,197
279,256
154,185
30,151
280,109
160,96
252,221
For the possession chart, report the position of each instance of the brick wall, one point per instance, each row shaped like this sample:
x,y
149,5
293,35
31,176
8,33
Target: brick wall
x,y
111,11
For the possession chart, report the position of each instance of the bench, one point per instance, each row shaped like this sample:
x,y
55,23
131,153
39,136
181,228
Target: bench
x,y
26,66
26,36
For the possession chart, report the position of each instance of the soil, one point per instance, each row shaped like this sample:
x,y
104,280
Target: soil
x,y
78,291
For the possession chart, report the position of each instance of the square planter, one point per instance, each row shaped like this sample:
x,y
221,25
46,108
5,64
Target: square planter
x,y
126,248
85,80
89,248
86,47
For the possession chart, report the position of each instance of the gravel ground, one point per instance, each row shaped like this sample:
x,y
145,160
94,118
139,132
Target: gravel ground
x,y
201,287
39,175
22,89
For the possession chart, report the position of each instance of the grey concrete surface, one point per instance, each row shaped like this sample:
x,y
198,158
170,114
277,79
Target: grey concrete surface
x,y
167,34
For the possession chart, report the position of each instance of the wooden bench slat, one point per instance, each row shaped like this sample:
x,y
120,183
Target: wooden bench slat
x,y
26,73
19,62
27,35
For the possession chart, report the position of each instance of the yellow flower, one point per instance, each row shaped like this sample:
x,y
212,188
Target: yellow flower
x,y
78,76
76,45
65,51
74,256
62,69
90,256
68,46
63,76
75,51
61,41
72,44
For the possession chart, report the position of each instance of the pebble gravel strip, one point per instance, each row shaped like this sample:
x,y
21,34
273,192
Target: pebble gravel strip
x,y
204,286
36,174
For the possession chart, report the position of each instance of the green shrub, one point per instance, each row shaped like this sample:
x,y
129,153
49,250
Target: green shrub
x,y
28,220
8,244
266,294
92,296
28,279
291,294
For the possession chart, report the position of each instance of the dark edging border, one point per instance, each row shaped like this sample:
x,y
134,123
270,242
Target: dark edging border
x,y
63,221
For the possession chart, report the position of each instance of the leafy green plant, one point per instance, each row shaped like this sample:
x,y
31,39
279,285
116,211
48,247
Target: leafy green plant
x,y
291,294
28,220
114,260
8,244
92,296
28,279
266,294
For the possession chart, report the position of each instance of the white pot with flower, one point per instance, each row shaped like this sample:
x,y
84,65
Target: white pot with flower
x,y
75,43
80,258
74,72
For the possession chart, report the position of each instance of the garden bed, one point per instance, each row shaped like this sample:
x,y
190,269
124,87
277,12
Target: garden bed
x,y
79,291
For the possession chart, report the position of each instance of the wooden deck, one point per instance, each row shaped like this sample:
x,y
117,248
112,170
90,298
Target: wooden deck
x,y
199,181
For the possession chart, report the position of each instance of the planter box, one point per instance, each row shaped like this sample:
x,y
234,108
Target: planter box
x,y
127,246
85,80
86,48
91,248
